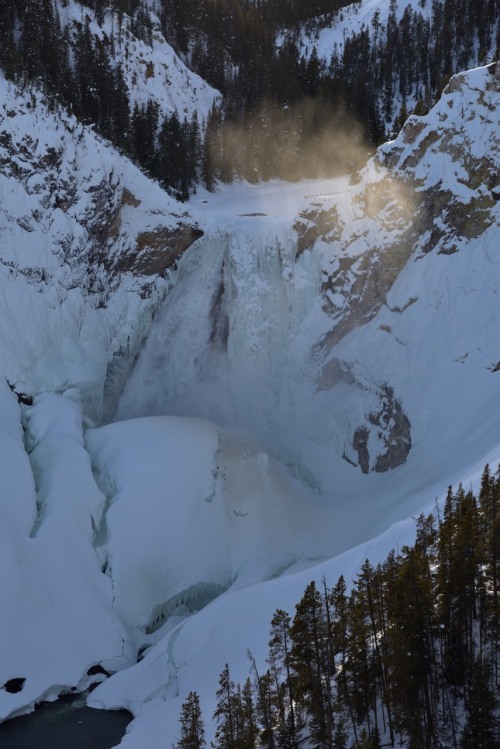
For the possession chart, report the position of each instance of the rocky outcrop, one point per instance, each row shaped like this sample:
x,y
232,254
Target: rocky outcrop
x,y
156,251
434,189
431,189
439,156
383,440
392,428
389,430
356,284
314,223
91,204
153,251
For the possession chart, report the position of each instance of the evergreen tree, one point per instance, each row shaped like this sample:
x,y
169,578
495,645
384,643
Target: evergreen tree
x,y
119,109
457,579
248,719
212,149
266,709
309,659
143,131
30,42
340,736
489,528
9,61
360,672
191,722
481,729
411,648
226,713
280,661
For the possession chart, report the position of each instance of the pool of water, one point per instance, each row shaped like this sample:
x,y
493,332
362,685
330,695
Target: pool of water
x,y
65,724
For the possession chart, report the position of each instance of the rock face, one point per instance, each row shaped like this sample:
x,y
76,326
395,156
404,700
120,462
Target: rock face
x,y
429,152
426,191
391,427
432,190
383,440
156,251
314,223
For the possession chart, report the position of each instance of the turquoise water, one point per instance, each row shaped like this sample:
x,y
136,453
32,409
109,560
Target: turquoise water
x,y
65,724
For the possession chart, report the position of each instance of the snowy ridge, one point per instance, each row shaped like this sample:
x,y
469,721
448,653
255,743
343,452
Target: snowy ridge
x,y
455,153
372,31
152,72
351,20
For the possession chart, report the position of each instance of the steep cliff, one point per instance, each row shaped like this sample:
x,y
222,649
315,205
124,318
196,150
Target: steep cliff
x,y
88,242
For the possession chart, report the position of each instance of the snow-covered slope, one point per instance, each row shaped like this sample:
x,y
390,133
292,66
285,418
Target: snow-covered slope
x,y
152,71
369,38
350,325
87,241
354,18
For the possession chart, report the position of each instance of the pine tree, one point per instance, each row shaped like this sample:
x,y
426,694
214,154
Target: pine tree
x,y
225,714
481,729
280,661
120,109
9,60
143,130
192,726
30,42
339,635
309,659
248,720
340,736
211,156
360,672
489,527
265,708
170,156
411,647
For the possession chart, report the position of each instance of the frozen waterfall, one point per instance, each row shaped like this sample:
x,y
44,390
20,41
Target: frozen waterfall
x,y
226,343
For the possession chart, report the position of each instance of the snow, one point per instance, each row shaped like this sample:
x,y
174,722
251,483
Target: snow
x,y
57,614
152,72
221,491
173,531
351,20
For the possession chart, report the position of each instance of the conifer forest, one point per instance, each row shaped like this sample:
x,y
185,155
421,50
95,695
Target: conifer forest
x,y
407,656
274,100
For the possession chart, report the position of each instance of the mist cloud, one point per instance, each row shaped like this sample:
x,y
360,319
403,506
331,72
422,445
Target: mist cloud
x,y
305,140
